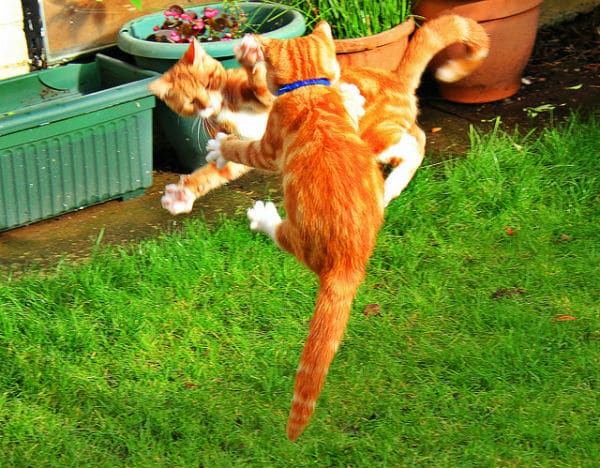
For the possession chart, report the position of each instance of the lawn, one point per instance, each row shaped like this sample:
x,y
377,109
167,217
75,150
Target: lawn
x,y
474,341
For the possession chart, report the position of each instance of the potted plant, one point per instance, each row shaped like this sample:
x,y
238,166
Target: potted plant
x,y
234,18
158,40
511,26
368,32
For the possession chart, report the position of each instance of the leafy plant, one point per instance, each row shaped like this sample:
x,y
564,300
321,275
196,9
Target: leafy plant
x,y
181,26
354,18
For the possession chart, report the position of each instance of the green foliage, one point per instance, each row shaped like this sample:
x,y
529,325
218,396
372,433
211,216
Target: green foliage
x,y
354,18
182,351
137,4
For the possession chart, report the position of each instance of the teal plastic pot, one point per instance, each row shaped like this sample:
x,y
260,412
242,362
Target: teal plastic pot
x,y
276,21
186,135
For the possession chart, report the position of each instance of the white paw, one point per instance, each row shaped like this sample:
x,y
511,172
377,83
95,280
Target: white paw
x,y
406,149
213,147
407,152
354,102
264,217
390,191
249,52
177,199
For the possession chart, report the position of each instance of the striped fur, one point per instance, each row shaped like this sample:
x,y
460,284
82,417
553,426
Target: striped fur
x,y
333,195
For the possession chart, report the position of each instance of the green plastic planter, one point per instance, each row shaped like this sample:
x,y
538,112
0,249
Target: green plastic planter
x,y
187,138
71,137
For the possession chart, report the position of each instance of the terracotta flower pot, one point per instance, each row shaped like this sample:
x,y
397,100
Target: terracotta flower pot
x,y
383,50
512,27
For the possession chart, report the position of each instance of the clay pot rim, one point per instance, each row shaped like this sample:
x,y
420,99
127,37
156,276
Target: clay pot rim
x,y
488,10
359,44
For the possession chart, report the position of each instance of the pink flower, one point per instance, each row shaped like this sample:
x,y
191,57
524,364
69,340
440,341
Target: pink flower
x,y
155,28
172,13
211,12
198,24
174,36
186,17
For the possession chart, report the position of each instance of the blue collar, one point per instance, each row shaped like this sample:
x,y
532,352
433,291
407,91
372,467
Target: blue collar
x,y
298,84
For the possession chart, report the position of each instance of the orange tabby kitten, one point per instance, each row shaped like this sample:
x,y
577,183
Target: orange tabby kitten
x,y
333,193
389,124
234,101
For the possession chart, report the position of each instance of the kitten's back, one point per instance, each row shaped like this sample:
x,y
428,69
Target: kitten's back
x,y
333,194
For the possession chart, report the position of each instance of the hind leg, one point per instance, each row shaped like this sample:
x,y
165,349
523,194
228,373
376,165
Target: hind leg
x,y
264,218
406,156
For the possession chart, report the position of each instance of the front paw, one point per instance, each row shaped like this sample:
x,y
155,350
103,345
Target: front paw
x,y
177,199
354,102
249,52
213,147
264,217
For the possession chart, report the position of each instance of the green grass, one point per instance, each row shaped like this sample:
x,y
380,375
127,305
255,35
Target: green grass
x,y
182,351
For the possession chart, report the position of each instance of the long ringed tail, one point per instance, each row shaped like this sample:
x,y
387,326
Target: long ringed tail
x,y
434,36
332,310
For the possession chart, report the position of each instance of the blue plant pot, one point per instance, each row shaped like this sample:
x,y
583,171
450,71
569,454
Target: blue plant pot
x,y
185,135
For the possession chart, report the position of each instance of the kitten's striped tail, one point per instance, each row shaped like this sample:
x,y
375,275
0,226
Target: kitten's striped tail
x,y
434,36
334,300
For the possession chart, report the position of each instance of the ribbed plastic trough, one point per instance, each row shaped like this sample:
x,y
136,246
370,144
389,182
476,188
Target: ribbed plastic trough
x,y
71,137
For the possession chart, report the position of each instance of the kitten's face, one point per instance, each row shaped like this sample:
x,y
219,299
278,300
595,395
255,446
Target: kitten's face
x,y
193,86
300,58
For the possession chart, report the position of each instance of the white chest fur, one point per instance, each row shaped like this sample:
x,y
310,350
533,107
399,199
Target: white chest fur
x,y
250,125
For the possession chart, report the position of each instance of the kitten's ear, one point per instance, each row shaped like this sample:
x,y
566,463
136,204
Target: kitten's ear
x,y
323,29
159,87
194,52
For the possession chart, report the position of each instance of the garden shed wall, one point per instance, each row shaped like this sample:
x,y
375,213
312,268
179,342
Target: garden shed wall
x,y
13,53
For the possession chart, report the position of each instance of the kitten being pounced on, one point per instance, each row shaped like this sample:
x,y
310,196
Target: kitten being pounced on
x,y
388,126
233,100
333,193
